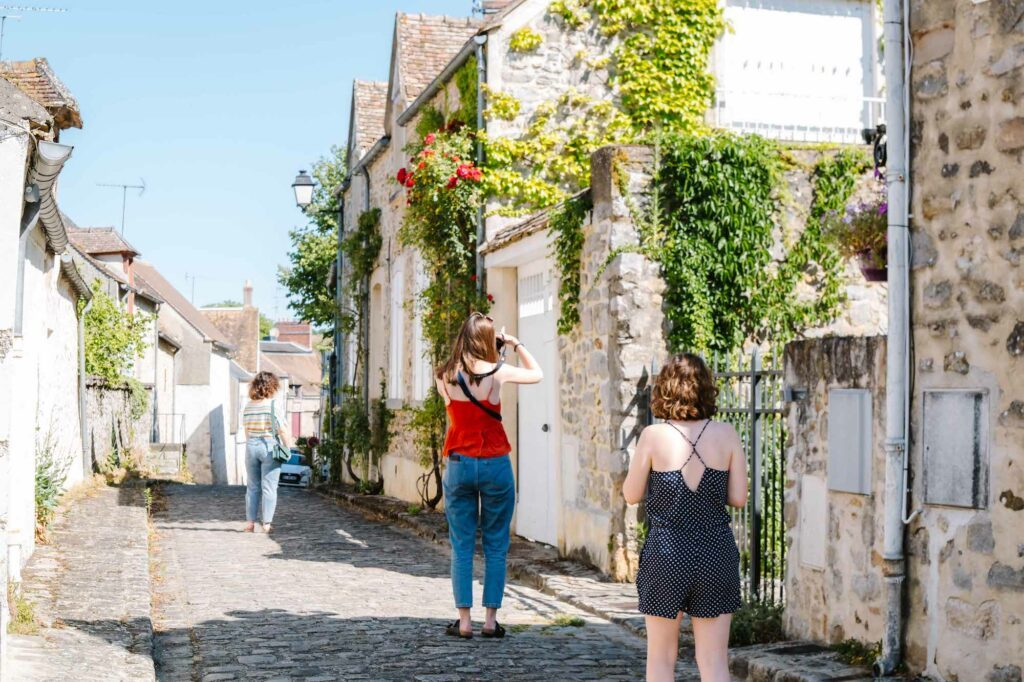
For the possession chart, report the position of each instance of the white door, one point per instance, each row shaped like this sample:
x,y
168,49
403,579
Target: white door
x,y
537,510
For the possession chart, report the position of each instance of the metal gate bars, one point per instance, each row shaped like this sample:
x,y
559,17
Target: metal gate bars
x,y
750,397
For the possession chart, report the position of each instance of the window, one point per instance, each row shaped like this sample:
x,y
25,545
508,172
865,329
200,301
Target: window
x,y
422,371
295,390
395,358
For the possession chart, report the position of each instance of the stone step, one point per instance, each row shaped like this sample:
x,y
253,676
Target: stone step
x,y
164,458
793,661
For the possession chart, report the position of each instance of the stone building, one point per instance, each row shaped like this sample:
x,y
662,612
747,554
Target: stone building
x,y
41,289
964,585
569,465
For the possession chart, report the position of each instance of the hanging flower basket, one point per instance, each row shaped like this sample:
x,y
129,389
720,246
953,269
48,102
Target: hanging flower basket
x,y
873,265
861,232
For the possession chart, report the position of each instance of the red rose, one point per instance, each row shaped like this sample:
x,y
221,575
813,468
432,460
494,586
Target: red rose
x,y
476,175
452,181
430,138
421,165
462,171
490,298
410,180
472,278
402,176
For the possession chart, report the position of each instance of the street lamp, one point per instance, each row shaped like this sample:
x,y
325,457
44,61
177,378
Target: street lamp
x,y
303,187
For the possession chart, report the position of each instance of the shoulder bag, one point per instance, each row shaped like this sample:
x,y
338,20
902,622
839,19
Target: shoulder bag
x,y
279,452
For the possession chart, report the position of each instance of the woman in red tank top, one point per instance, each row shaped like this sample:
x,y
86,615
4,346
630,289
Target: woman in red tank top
x,y
479,487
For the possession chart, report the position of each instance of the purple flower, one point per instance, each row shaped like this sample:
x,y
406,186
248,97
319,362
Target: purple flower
x,y
883,208
878,173
847,219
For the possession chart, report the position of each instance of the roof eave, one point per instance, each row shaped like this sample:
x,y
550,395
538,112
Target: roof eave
x,y
439,81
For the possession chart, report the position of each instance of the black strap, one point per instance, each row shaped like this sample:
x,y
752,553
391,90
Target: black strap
x,y
693,443
478,377
472,398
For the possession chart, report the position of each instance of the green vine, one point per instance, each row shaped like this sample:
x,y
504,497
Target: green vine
x,y
710,224
501,106
566,223
443,193
467,83
659,79
525,40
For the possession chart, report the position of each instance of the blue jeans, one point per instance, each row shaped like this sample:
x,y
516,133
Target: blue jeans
x,y
262,471
479,492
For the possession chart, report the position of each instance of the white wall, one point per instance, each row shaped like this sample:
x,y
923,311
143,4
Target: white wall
x,y
806,89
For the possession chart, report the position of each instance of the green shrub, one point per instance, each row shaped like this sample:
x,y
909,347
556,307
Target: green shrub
x,y
855,652
51,474
756,624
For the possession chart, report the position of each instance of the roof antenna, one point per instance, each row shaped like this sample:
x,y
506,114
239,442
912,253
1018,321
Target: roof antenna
x,y
124,195
14,17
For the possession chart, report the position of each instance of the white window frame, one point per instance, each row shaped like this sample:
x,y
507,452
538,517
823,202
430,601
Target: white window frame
x,y
422,371
396,325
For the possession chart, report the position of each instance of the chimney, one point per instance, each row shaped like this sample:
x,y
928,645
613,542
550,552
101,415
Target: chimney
x,y
247,294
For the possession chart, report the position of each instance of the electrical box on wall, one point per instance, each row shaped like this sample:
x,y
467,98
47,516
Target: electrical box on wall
x,y
955,434
849,440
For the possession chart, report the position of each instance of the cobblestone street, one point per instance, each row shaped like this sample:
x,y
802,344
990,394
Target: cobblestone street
x,y
331,595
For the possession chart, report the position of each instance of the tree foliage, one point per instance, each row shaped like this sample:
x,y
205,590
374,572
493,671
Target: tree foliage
x,y
315,246
114,339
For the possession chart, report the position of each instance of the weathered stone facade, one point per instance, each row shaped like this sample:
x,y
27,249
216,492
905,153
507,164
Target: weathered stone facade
x,y
966,566
840,598
111,427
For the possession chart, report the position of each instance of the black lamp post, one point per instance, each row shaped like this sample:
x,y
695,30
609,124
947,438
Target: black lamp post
x,y
303,188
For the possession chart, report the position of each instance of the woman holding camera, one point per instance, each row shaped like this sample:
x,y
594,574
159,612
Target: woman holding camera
x,y
692,469
479,488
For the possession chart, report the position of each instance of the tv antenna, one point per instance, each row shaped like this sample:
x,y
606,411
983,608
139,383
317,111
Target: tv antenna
x,y
17,17
124,195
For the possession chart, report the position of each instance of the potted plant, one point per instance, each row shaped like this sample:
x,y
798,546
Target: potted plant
x,y
861,231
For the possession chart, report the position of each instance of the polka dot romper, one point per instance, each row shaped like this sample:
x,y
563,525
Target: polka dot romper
x,y
689,562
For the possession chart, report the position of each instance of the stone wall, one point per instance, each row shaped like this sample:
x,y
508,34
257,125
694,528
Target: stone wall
x,y
604,361
966,566
840,597
111,427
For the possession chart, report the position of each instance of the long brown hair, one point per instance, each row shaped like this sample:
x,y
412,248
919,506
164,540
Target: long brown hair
x,y
476,341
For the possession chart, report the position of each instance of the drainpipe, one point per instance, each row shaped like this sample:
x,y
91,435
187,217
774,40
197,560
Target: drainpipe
x,y
897,397
82,407
481,82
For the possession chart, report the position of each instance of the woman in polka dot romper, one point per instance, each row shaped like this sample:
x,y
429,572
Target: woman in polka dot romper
x,y
691,469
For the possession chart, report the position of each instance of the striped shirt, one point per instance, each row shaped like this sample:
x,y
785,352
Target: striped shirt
x,y
257,419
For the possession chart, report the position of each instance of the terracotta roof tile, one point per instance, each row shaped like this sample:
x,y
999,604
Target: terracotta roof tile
x,y
36,79
99,240
425,46
369,100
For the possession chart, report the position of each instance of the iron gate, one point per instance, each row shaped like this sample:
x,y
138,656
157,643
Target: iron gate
x,y
750,398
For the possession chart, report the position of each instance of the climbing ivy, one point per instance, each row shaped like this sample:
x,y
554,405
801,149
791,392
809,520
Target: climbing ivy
x,y
711,227
566,223
659,77
525,40
501,105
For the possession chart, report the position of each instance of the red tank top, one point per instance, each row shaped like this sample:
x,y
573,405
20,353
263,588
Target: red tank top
x,y
472,432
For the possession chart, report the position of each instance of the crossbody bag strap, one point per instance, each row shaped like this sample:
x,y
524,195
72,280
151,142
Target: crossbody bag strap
x,y
473,399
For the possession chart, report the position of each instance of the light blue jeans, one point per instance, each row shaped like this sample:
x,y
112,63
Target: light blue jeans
x,y
263,472
479,492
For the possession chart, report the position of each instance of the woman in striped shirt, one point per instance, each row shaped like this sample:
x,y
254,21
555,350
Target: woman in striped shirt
x,y
262,470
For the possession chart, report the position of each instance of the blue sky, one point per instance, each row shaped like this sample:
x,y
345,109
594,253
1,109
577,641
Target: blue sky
x,y
216,106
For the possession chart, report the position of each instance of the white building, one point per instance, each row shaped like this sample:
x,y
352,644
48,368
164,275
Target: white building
x,y
41,289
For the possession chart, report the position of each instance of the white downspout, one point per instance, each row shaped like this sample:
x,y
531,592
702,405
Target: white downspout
x,y
83,406
897,397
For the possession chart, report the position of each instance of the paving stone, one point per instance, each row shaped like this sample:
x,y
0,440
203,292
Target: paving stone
x,y
332,594
90,587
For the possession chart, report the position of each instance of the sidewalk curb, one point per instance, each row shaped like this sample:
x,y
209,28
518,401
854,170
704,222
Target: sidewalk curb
x,y
431,525
793,661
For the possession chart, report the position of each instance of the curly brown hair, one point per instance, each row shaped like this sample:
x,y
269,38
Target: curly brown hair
x,y
263,386
685,390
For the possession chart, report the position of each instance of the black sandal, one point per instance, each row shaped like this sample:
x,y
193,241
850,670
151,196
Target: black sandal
x,y
453,630
497,633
